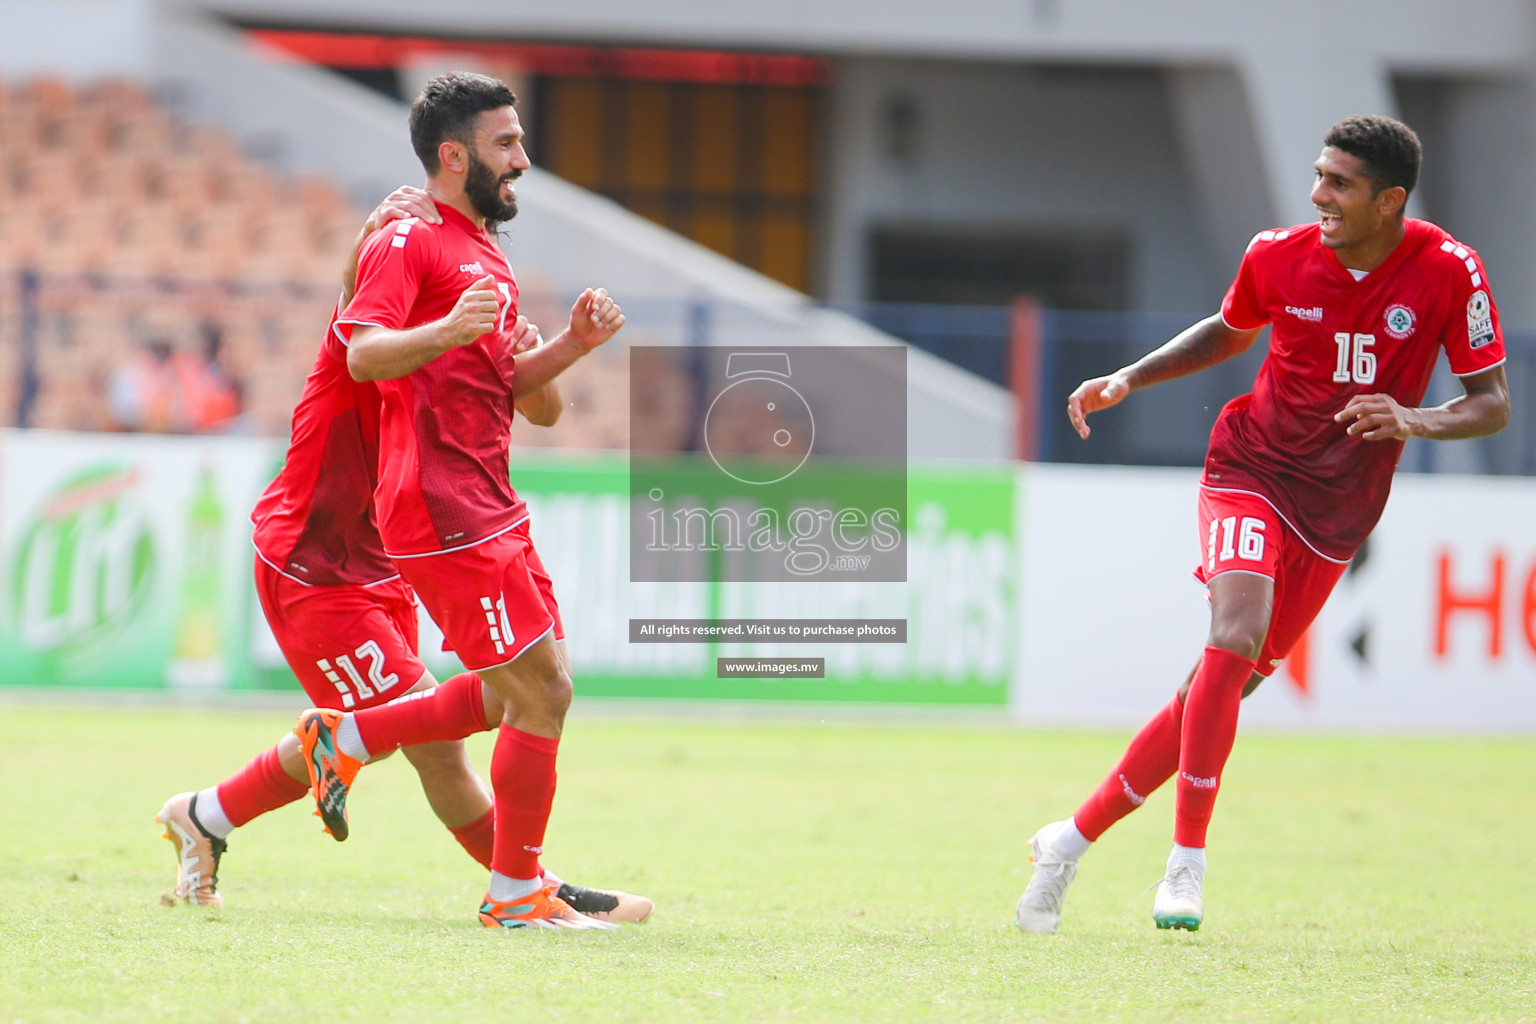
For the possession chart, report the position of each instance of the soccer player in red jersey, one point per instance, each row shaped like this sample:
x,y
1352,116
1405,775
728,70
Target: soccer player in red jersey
x,y
1359,305
433,322
344,619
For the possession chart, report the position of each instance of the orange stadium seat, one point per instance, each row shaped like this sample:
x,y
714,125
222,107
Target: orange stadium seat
x,y
142,226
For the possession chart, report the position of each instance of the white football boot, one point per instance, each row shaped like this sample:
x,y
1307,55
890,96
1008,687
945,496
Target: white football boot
x,y
1178,903
197,854
1039,909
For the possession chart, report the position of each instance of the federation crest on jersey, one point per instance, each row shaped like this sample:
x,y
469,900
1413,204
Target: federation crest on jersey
x,y
1479,319
1400,321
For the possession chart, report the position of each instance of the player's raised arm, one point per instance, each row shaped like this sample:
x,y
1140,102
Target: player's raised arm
x,y
594,319
381,353
1483,410
404,202
1204,344
543,406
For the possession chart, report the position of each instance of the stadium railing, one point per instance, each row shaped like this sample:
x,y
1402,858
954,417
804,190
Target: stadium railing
x,y
63,335
1168,425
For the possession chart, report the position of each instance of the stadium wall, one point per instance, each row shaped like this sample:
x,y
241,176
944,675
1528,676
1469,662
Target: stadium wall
x,y
564,239
303,119
1049,594
1001,148
1251,85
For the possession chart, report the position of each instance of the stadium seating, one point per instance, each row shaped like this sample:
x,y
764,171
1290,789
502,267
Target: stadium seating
x,y
139,228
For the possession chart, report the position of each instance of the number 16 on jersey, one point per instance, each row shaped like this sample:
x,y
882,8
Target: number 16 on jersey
x,y
1356,360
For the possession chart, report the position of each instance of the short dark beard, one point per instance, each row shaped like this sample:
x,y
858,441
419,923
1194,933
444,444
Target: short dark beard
x,y
483,188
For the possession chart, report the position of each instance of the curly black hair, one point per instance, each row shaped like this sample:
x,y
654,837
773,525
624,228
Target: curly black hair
x,y
447,109
1388,148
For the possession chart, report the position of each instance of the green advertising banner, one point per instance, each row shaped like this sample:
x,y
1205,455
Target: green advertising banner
x,y
126,562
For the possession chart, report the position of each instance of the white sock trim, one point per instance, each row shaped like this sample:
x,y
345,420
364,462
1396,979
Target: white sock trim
x,y
503,888
1071,841
349,741
1188,855
210,814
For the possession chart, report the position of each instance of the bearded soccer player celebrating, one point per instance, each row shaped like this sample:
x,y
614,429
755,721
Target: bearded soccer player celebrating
x,y
1359,303
433,322
346,622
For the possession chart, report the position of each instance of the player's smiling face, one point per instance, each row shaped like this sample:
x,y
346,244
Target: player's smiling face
x,y
497,161
1350,211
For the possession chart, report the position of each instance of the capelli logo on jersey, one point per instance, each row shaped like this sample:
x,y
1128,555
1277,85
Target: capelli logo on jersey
x,y
1400,321
1311,316
472,268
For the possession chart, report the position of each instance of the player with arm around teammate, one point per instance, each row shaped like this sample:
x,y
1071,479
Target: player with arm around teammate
x,y
430,322
1359,304
345,621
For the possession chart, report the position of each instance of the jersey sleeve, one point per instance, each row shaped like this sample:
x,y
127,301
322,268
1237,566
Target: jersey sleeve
x,y
1474,338
1243,308
390,271
335,342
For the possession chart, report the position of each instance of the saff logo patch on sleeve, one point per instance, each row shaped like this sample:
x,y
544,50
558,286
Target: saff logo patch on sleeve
x,y
1479,319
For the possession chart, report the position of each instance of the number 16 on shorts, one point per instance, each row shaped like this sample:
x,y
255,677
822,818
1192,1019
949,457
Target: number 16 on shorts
x,y
1239,531
1248,533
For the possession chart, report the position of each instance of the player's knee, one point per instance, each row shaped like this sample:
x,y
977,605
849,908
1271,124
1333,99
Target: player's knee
x,y
1242,644
1242,636
557,691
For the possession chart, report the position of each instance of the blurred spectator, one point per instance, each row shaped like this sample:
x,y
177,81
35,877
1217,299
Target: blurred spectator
x,y
141,393
210,397
166,392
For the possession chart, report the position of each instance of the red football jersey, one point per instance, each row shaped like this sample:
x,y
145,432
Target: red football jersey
x,y
445,428
1334,337
315,522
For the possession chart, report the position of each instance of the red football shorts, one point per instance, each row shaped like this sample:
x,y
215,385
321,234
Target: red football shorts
x,y
1241,532
541,578
351,647
492,601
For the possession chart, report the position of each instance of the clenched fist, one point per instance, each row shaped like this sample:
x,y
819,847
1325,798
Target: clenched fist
x,y
595,318
475,313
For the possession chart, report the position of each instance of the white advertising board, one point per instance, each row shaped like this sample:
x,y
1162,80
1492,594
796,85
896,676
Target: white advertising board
x,y
1432,628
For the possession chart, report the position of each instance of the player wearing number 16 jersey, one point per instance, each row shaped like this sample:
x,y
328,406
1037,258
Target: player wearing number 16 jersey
x,y
1359,305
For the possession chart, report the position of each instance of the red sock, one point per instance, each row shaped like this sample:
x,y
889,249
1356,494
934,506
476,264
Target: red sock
x,y
450,711
1147,763
259,787
1210,726
523,776
478,837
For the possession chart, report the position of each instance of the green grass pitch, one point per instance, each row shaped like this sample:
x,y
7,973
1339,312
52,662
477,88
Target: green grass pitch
x,y
802,872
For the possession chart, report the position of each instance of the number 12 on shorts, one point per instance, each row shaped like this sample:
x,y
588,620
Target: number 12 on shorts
x,y
354,687
1242,539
